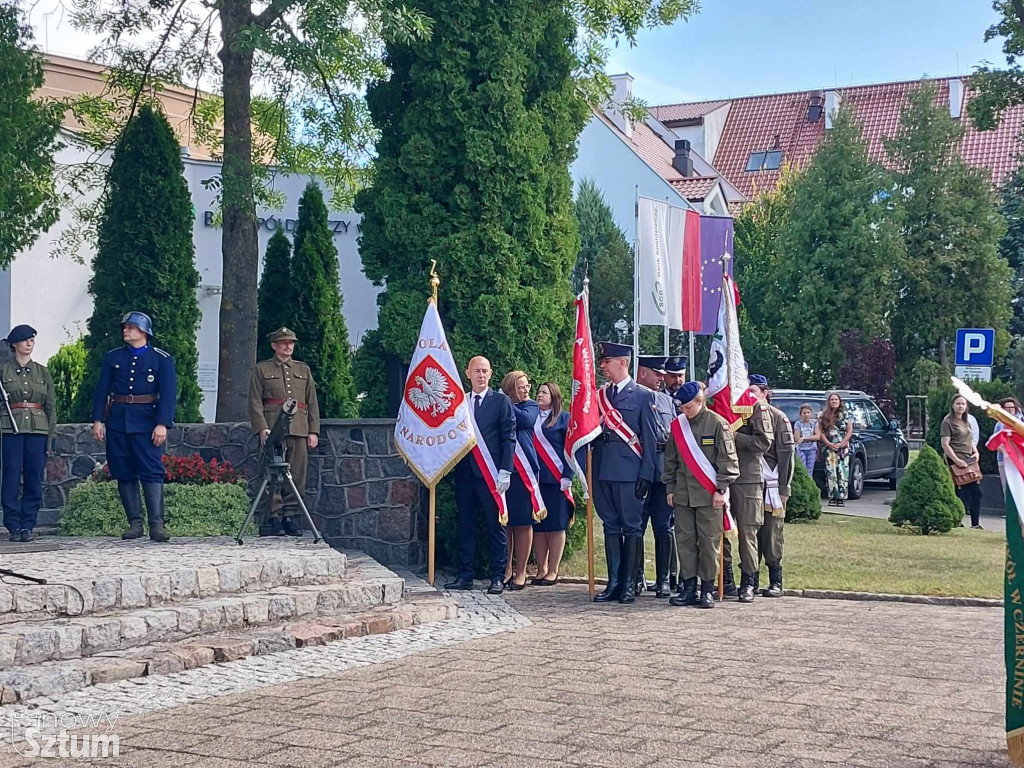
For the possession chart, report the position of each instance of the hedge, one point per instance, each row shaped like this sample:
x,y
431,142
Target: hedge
x,y
926,500
804,504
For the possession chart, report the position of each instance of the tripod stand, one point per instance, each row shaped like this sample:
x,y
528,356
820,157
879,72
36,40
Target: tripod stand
x,y
277,473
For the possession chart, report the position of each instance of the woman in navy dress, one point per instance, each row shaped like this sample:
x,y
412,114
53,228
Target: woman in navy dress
x,y
549,533
520,506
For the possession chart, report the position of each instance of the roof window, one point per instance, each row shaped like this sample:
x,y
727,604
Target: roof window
x,y
770,160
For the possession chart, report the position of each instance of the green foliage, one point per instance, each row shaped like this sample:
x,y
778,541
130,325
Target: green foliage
x,y
804,504
938,409
478,127
315,298
94,509
67,367
926,500
145,259
995,90
28,139
951,229
834,258
368,371
1011,244
606,258
275,292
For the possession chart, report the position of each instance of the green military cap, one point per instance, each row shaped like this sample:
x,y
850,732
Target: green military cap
x,y
282,334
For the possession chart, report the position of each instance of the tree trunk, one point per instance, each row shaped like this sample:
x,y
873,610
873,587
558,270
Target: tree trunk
x,y
239,244
943,354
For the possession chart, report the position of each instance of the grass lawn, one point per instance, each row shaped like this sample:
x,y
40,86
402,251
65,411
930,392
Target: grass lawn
x,y
867,555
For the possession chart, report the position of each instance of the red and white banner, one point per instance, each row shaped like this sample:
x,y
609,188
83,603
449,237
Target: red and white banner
x,y
532,483
584,412
1013,464
489,469
547,453
614,421
727,369
684,270
434,428
699,465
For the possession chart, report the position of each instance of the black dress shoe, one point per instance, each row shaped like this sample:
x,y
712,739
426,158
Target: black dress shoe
x,y
15,536
497,587
516,587
459,584
290,528
26,535
549,582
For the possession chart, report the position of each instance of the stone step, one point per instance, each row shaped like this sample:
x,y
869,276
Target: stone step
x,y
50,679
33,641
93,576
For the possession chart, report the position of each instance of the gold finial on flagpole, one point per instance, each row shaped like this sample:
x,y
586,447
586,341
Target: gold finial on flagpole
x,y
435,281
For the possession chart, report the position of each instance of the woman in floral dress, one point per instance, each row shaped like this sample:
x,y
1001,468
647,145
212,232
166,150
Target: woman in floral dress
x,y
836,430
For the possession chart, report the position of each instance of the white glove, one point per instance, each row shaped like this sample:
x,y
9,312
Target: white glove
x,y
504,480
565,484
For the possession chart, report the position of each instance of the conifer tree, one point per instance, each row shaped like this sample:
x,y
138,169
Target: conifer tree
x,y
145,259
275,291
926,500
478,127
316,308
1011,245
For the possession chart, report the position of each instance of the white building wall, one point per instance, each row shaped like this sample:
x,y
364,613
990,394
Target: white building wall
x,y
618,171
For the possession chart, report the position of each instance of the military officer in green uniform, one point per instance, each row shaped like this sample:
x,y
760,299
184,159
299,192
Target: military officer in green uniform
x,y
779,458
698,510
753,439
273,382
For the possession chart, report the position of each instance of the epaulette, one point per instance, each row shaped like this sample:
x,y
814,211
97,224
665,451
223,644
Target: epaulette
x,y
161,352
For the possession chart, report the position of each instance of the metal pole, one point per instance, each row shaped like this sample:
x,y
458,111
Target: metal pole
x,y
430,537
693,353
721,568
590,522
636,277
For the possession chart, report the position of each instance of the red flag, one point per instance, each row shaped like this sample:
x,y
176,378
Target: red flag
x,y
727,370
692,282
584,416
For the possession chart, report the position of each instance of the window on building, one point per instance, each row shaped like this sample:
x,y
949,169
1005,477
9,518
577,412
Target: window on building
x,y
756,161
773,160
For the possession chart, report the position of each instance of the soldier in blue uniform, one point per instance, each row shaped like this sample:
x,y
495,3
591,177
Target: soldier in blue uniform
x,y
675,374
656,507
622,479
136,395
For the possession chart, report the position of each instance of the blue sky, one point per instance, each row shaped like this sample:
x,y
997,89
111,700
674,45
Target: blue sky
x,y
742,47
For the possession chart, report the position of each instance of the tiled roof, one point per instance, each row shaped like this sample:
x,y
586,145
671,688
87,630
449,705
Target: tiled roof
x,y
672,112
755,121
694,187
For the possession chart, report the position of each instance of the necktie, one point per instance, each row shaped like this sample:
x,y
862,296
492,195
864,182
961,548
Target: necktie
x,y
615,391
476,403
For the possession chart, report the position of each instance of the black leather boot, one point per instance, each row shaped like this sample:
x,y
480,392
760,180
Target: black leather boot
x,y
746,593
687,595
290,525
774,581
154,493
730,581
129,493
707,594
631,548
662,558
613,557
273,527
640,583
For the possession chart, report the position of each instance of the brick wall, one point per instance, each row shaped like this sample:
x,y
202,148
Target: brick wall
x,y
359,490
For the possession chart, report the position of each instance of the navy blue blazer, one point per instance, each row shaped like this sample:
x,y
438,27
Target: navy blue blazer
x,y
497,430
555,435
614,461
526,414
151,372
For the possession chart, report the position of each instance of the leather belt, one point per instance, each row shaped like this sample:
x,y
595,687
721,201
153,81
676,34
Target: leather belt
x,y
662,446
134,399
275,401
33,406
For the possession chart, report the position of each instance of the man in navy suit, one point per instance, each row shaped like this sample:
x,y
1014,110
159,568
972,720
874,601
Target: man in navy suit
x,y
622,478
496,428
139,387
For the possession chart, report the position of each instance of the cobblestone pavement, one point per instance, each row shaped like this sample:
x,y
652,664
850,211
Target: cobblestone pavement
x,y
789,682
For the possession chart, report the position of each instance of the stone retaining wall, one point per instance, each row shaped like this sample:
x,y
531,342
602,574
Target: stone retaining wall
x,y
358,488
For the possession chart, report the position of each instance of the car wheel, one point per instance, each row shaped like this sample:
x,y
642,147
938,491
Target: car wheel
x,y
901,463
856,487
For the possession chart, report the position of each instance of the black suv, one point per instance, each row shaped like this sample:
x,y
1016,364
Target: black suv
x,y
878,449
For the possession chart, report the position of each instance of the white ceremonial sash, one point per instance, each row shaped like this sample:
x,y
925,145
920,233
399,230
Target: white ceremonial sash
x,y
614,421
699,465
484,460
548,454
772,497
532,483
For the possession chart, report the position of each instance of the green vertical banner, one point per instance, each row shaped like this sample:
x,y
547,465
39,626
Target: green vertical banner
x,y
1014,628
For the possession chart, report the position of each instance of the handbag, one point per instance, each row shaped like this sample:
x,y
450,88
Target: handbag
x,y
965,475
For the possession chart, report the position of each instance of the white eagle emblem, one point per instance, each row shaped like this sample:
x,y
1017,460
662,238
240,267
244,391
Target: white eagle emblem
x,y
432,392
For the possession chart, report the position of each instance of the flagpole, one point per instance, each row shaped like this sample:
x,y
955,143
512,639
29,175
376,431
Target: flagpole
x,y
435,281
721,569
590,522
636,276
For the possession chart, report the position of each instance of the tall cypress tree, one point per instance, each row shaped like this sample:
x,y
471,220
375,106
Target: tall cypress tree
x,y
316,308
478,127
145,258
1011,245
275,291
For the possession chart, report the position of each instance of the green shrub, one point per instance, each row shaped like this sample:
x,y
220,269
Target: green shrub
x,y
94,509
804,504
926,500
938,408
67,367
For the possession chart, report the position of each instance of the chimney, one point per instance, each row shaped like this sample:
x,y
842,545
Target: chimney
x,y
623,85
815,107
682,162
956,97
832,102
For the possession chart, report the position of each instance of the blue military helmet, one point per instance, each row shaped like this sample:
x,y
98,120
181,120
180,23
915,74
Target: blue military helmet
x,y
140,319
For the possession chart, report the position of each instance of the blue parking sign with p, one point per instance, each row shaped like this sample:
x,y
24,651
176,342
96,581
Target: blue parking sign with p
x,y
975,346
